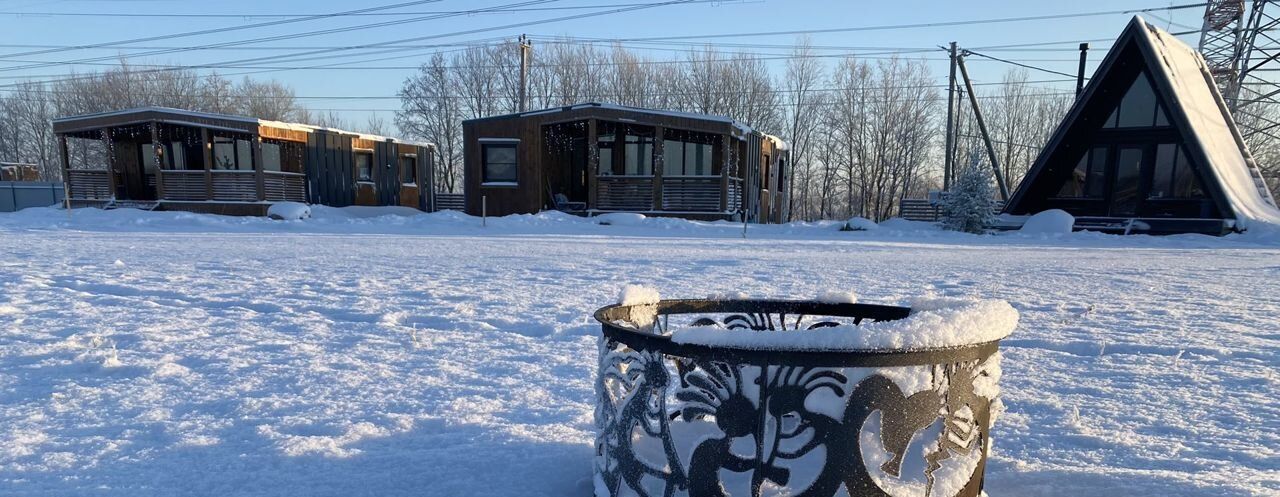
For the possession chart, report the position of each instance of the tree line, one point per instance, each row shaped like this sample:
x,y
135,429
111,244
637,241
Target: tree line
x,y
864,133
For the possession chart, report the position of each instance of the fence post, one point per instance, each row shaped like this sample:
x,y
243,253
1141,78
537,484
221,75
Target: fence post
x,y
484,210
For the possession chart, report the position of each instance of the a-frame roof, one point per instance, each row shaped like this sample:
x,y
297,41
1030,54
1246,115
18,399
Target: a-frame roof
x,y
1195,107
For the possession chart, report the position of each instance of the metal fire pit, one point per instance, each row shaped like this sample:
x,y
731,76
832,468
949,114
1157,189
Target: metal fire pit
x,y
699,420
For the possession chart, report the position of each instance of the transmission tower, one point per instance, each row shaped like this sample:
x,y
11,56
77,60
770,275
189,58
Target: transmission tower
x,y
1220,43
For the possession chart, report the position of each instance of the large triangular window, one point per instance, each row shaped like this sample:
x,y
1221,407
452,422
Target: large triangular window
x,y
1139,108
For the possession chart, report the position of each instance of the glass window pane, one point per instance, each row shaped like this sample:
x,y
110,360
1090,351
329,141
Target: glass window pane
x,y
270,156
177,156
605,144
364,166
1162,173
408,170
673,158
1161,120
224,153
503,153
1124,192
244,155
1097,173
1139,105
1185,183
1111,119
705,167
1074,185
499,163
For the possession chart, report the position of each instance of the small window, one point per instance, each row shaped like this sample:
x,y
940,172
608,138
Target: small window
x,y
408,169
270,156
499,162
364,165
1172,177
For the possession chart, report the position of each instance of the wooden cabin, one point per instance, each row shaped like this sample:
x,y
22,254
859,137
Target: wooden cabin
x,y
598,158
161,158
18,171
1149,147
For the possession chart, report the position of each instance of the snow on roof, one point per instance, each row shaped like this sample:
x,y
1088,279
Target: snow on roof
x,y
672,113
1212,126
261,122
777,142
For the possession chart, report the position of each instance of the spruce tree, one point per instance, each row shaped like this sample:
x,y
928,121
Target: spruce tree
x,y
968,206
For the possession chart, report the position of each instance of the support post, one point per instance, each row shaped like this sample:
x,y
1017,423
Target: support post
x,y
207,142
1084,56
948,165
111,162
982,127
525,47
659,164
725,167
259,176
64,155
157,159
593,164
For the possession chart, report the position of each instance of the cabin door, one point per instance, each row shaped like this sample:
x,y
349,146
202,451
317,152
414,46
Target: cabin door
x,y
1127,189
577,191
133,173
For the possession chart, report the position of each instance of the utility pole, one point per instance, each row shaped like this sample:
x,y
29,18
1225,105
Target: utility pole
x,y
1084,55
949,147
525,47
982,127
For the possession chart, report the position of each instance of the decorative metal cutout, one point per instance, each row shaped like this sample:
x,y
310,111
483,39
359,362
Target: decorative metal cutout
x,y
679,420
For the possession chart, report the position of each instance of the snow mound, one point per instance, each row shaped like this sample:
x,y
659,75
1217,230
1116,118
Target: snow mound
x,y
838,297
289,211
859,224
1050,221
621,219
934,322
638,295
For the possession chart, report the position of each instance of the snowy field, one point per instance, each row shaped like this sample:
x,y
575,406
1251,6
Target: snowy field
x,y
175,354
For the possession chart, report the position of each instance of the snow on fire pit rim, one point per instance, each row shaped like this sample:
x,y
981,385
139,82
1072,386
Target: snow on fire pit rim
x,y
934,323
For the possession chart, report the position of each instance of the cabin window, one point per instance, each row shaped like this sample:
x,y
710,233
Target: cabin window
x,y
364,165
177,156
1124,192
688,154
499,160
1088,177
145,151
270,156
231,154
409,169
625,150
1172,176
1139,108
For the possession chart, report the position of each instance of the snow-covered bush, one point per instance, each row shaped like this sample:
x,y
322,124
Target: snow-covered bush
x,y
859,224
289,211
1050,221
968,206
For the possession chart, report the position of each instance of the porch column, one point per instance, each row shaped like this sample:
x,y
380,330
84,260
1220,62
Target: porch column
x,y
207,141
111,161
725,166
659,159
593,163
258,175
157,159
65,156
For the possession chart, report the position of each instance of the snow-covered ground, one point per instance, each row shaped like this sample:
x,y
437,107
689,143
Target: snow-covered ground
x,y
179,354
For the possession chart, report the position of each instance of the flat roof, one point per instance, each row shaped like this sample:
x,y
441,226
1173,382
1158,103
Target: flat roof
x,y
627,108
193,117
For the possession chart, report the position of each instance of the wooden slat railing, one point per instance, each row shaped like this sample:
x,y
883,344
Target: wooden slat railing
x,y
624,193
184,185
920,209
735,195
691,193
89,184
280,186
235,186
450,201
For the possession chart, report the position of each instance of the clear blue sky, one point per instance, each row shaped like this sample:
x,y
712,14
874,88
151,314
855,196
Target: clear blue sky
x,y
749,16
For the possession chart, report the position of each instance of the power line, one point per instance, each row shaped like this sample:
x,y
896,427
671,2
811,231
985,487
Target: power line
x,y
423,38
290,16
1019,64
226,29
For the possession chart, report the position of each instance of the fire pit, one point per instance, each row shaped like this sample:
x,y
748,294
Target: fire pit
x,y
765,397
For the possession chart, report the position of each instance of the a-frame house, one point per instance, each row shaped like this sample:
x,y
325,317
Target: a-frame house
x,y
1149,147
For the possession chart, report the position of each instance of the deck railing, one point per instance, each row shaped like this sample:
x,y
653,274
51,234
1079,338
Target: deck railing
x,y
89,184
283,186
450,201
624,193
235,186
691,193
184,185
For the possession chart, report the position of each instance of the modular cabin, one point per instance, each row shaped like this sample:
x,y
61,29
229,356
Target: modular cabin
x,y
161,158
597,158
18,171
1149,146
